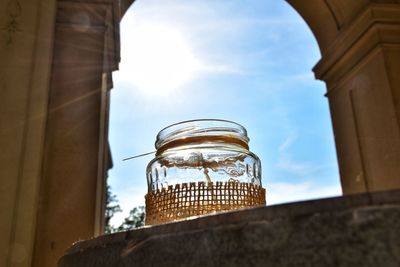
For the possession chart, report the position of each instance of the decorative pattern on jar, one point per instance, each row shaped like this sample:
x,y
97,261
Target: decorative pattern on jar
x,y
201,167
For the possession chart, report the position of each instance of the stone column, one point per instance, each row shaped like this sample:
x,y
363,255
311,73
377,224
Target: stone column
x,y
26,38
361,68
71,204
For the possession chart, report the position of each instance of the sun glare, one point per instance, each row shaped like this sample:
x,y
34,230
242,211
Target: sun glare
x,y
158,59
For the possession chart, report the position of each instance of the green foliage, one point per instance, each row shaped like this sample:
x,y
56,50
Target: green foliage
x,y
112,207
134,220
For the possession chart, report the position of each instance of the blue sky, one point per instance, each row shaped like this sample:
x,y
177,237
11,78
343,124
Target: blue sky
x,y
245,61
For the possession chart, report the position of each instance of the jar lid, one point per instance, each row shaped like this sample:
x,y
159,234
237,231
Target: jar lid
x,y
214,130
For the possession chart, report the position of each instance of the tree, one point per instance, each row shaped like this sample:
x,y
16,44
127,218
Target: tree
x,y
111,208
134,220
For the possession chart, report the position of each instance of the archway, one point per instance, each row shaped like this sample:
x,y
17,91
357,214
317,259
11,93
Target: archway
x,y
57,147
359,43
249,62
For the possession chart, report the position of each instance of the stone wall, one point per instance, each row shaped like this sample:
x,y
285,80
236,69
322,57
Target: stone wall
x,y
358,230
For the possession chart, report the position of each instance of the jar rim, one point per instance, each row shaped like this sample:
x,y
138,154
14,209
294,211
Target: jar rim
x,y
201,128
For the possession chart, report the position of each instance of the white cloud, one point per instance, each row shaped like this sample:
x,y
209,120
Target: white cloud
x,y
299,168
290,139
307,187
290,192
303,77
285,161
220,69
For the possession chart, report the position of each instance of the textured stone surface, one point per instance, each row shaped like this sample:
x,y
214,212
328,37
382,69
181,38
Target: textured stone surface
x,y
357,230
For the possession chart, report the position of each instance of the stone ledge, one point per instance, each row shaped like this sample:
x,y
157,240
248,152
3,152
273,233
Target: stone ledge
x,y
355,230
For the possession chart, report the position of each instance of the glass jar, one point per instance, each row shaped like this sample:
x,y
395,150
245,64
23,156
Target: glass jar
x,y
202,166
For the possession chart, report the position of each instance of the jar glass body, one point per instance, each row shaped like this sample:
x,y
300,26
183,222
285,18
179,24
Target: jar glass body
x,y
202,166
203,151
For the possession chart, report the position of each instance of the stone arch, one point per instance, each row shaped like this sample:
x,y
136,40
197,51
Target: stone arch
x,y
358,54
58,55
348,34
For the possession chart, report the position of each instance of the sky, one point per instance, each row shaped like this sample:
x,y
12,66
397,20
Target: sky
x,y
247,61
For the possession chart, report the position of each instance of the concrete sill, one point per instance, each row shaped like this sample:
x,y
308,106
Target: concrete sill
x,y
355,230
